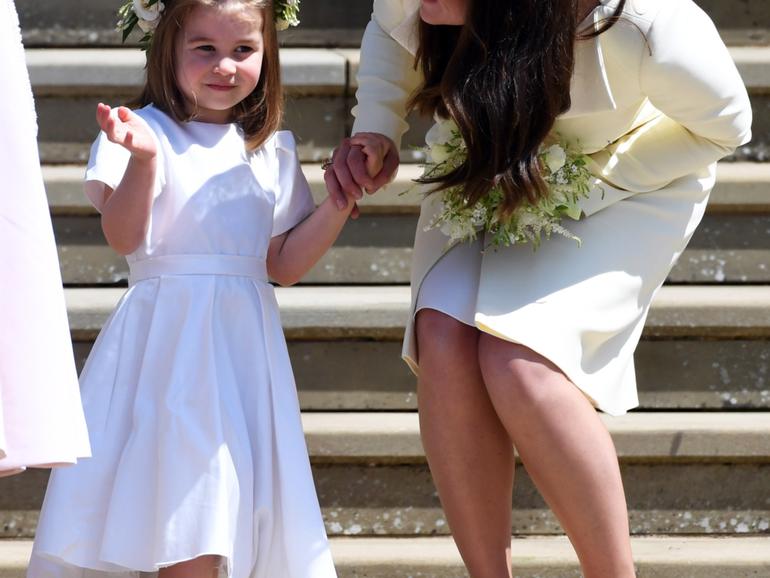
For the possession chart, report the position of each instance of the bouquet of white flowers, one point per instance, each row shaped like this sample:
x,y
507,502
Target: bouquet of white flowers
x,y
563,168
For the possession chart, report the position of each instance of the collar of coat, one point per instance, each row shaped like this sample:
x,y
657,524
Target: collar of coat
x,y
591,91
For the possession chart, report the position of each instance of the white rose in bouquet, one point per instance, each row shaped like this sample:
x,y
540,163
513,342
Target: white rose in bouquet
x,y
442,140
555,157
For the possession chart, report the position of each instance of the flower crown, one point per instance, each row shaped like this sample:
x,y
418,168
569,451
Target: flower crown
x,y
147,13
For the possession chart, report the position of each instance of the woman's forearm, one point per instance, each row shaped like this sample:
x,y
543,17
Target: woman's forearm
x,y
386,78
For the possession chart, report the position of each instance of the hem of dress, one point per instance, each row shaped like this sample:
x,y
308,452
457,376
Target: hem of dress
x,y
11,469
115,568
614,412
12,472
413,310
410,362
415,368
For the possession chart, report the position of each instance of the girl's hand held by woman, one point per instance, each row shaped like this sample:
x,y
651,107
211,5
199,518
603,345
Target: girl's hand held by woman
x,y
365,162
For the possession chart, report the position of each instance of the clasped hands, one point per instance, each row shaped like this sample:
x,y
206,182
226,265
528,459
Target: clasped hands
x,y
363,163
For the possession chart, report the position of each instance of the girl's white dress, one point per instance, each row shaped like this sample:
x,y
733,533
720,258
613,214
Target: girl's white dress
x,y
189,394
41,419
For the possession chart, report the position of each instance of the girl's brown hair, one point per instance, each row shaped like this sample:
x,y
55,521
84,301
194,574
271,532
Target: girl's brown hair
x,y
503,77
259,114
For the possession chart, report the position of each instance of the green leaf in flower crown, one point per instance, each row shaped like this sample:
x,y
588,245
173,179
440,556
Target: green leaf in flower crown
x,y
129,24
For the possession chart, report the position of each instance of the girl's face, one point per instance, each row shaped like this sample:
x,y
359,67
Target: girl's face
x,y
446,12
219,59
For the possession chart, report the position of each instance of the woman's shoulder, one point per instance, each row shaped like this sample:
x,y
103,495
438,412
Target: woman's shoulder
x,y
654,22
645,12
390,13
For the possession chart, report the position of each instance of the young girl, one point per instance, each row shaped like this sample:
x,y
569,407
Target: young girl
x,y
200,467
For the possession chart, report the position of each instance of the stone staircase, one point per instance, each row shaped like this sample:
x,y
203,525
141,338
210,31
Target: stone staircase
x,y
695,456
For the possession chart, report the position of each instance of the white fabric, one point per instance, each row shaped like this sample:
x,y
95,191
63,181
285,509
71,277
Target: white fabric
x,y
41,418
656,101
386,77
189,393
459,269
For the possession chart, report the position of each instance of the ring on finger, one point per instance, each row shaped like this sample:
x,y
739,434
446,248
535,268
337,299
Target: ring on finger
x,y
327,163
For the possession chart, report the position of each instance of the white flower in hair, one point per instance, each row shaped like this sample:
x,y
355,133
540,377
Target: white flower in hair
x,y
148,14
286,14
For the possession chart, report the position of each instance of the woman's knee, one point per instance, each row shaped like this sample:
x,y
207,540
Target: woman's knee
x,y
516,372
444,343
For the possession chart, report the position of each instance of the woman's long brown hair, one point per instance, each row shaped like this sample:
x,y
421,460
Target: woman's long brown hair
x,y
503,77
259,114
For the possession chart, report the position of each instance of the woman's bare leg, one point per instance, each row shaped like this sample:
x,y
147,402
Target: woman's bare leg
x,y
469,452
567,451
201,567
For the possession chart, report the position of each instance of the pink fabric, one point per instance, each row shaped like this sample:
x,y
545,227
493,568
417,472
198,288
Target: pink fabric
x,y
41,418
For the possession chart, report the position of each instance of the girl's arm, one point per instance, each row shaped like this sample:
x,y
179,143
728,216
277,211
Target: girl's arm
x,y
126,210
292,254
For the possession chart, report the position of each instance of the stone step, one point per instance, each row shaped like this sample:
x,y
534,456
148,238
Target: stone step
x,y
68,83
684,473
532,557
740,188
708,437
705,347
95,71
374,312
304,70
378,250
316,82
753,62
671,374
730,246
47,23
331,23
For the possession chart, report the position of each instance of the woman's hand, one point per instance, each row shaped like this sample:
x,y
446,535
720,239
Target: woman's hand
x,y
127,130
365,162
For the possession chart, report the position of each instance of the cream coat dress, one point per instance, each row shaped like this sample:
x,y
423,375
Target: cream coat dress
x,y
656,101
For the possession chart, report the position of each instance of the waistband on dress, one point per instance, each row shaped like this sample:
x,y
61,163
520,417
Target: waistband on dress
x,y
173,265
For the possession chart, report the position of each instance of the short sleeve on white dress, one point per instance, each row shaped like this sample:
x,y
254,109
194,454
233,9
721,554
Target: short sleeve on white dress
x,y
107,164
293,199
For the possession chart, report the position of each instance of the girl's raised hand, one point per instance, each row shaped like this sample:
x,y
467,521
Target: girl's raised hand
x,y
128,130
